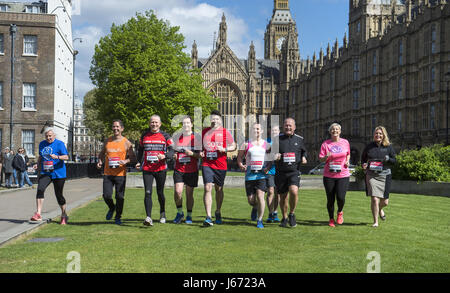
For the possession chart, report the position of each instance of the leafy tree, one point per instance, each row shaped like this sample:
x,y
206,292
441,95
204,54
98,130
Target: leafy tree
x,y
139,70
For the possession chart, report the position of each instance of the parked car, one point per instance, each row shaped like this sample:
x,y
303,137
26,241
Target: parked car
x,y
318,170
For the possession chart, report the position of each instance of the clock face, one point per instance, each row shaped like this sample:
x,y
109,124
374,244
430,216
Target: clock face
x,y
280,43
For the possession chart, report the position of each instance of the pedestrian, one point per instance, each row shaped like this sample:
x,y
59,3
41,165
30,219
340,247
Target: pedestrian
x,y
20,165
217,141
256,167
154,147
28,164
292,153
186,169
335,152
116,153
52,169
273,198
8,167
377,159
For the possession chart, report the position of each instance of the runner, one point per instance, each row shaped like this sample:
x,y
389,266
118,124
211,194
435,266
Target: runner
x,y
273,197
335,152
51,168
256,167
292,152
154,147
114,154
186,170
217,141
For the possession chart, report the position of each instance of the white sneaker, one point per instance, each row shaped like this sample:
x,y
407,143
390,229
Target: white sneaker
x,y
162,218
148,221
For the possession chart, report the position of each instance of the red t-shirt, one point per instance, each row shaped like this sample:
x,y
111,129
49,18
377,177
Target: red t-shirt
x,y
211,140
154,144
185,163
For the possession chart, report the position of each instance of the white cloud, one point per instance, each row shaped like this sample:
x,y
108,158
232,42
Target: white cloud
x,y
197,21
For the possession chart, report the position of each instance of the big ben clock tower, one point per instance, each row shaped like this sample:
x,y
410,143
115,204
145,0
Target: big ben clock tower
x,y
277,29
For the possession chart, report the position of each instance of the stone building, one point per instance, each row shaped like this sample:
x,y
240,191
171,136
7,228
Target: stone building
x,y
389,71
42,72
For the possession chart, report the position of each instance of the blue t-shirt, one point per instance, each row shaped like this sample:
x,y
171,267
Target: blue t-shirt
x,y
272,170
47,163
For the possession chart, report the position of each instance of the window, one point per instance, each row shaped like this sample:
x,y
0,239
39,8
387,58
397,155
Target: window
x,y
355,127
400,88
400,52
374,122
433,39
268,100
374,95
28,141
356,70
425,73
29,96
432,117
1,94
432,79
32,9
399,124
374,63
355,99
3,7
30,45
331,106
425,117
2,44
259,97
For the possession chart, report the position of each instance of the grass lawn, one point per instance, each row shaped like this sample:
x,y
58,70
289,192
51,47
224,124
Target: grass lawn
x,y
414,238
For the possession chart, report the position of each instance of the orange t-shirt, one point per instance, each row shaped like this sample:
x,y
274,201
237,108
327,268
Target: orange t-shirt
x,y
115,152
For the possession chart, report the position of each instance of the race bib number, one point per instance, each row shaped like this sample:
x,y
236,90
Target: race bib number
x,y
256,165
48,166
152,157
335,167
113,163
376,166
289,158
211,155
184,159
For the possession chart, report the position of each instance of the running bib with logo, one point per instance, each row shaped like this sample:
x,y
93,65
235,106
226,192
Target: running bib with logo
x,y
152,157
113,163
289,158
335,167
184,159
48,166
376,166
211,155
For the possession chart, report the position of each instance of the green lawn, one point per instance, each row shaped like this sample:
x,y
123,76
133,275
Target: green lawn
x,y
414,238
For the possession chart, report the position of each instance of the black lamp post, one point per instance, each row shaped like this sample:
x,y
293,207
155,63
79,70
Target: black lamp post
x,y
447,79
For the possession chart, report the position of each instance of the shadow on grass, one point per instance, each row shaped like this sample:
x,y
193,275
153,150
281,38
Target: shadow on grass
x,y
325,223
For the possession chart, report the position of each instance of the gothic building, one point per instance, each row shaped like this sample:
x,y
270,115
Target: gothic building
x,y
390,70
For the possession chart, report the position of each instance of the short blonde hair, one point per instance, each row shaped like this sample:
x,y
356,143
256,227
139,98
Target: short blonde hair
x,y
385,142
333,125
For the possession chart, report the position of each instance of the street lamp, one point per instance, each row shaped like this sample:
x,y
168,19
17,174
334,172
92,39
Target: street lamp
x,y
447,79
75,53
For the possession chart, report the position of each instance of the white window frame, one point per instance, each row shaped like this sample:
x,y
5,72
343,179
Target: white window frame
x,y
28,141
31,94
2,44
30,40
1,95
4,7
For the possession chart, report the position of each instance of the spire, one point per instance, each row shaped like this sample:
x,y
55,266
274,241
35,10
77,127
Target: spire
x,y
321,58
328,52
345,40
194,55
252,59
222,32
336,49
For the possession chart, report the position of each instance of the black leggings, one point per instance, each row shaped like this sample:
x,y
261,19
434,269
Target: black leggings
x,y
335,188
58,185
160,178
108,185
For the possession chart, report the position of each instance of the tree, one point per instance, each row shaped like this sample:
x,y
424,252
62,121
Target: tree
x,y
97,128
139,70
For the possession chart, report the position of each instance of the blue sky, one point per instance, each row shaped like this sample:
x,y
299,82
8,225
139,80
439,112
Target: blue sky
x,y
318,22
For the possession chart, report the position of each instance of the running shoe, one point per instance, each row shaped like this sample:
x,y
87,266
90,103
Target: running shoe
x,y
109,215
188,220
178,218
64,220
118,221
208,222
292,220
275,217
148,221
340,218
259,225
162,218
270,218
254,214
36,218
331,223
382,217
218,218
284,223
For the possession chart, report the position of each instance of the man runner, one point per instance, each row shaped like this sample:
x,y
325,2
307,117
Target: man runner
x,y
292,152
186,169
217,141
154,147
115,151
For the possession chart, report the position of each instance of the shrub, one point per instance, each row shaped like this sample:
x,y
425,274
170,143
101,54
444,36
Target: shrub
x,y
427,164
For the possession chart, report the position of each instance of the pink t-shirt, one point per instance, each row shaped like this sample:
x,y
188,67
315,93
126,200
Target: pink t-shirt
x,y
335,164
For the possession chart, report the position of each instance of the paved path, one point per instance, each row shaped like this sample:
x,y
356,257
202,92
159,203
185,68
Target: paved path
x,y
18,206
